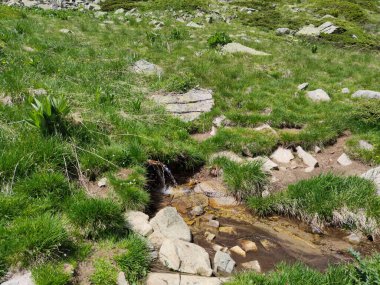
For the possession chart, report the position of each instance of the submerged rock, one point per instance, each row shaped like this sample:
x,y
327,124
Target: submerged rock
x,y
185,257
239,48
368,94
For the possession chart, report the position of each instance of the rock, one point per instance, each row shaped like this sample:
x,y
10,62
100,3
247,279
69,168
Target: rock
x,y
170,224
213,223
238,250
145,67
265,127
282,155
28,49
354,238
317,149
138,222
121,279
283,31
108,22
223,262
330,28
177,279
188,106
267,244
65,31
217,193
100,14
209,236
239,48
310,31
318,95
306,157
267,163
248,245
265,193
346,91
229,155
368,94
365,145
185,257
197,211
374,176
344,160
20,279
194,25
252,265
119,11
223,202
303,86
102,182
6,101
184,203
220,121
228,230
37,92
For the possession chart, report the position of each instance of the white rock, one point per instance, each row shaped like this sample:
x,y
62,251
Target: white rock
x,y
374,176
303,86
365,145
310,31
317,149
185,257
252,265
248,245
344,160
306,157
138,222
102,182
239,48
283,31
268,164
318,95
65,31
145,67
121,279
223,262
99,14
170,224
282,155
177,279
329,28
20,279
346,91
366,94
197,211
119,11
194,25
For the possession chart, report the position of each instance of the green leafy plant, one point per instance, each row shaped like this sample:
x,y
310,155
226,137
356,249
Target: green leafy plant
x,y
218,39
49,115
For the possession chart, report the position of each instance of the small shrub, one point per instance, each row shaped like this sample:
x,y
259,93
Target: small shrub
x,y
314,49
50,274
48,115
105,273
96,217
218,39
135,262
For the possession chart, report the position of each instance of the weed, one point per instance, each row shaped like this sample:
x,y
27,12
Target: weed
x,y
218,39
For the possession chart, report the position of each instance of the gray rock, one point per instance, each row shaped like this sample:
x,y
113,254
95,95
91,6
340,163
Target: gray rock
x,y
121,279
185,257
344,160
346,91
20,279
119,11
252,265
268,164
194,25
223,262
145,67
100,14
138,222
303,86
374,176
239,48
283,31
306,157
197,211
365,145
318,95
65,31
177,279
102,182
170,224
310,31
282,155
329,28
37,92
368,94
188,106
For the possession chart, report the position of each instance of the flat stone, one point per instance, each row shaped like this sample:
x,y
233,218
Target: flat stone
x,y
223,262
248,245
368,94
145,67
177,279
187,106
185,257
238,250
239,48
306,157
374,176
303,86
252,265
138,222
310,31
170,224
20,279
344,160
282,155
268,164
318,95
365,145
329,28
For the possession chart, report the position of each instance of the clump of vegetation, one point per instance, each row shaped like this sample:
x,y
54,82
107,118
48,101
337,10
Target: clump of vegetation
x,y
243,180
341,8
179,82
218,39
367,155
50,274
368,112
326,199
49,115
185,5
105,273
135,262
363,271
112,5
95,217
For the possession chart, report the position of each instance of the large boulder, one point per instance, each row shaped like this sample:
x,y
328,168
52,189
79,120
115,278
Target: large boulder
x,y
138,222
20,279
185,257
368,94
188,106
374,176
169,224
177,279
239,48
318,95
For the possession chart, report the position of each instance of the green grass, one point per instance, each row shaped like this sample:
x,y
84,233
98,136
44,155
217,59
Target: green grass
x,y
105,273
50,274
328,199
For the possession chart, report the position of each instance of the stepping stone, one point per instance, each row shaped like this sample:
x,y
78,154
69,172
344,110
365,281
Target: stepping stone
x,y
239,48
138,222
318,95
306,157
282,155
188,106
368,94
344,160
185,257
374,176
145,67
252,265
223,262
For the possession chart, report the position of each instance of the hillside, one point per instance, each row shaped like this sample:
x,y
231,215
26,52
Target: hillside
x,y
143,138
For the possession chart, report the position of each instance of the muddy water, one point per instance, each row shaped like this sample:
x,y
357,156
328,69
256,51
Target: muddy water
x,y
290,241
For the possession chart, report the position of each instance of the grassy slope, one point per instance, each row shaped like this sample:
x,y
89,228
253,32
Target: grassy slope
x,y
90,67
